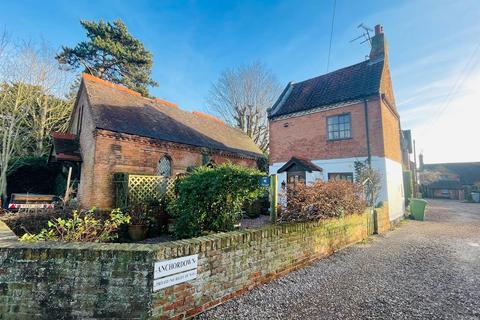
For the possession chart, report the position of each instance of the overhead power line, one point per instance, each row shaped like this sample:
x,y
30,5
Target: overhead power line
x,y
467,70
331,33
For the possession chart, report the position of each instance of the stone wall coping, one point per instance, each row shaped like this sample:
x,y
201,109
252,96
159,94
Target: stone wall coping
x,y
171,249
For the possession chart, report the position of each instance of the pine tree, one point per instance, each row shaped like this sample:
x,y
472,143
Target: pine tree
x,y
113,54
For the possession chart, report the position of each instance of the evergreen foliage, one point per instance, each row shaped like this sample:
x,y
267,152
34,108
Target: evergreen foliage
x,y
211,199
111,53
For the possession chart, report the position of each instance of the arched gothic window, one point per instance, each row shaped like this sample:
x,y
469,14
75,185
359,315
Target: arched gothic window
x,y
164,167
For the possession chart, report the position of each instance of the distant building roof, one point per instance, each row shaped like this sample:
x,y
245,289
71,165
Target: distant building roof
x,y
298,164
119,109
348,84
445,184
65,147
468,173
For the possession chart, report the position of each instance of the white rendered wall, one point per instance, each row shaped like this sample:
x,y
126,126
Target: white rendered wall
x,y
391,175
396,197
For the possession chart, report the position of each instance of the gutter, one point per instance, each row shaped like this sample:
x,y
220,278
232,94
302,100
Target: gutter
x,y
367,133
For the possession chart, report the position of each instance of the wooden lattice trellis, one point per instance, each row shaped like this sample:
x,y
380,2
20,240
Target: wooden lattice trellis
x,y
132,188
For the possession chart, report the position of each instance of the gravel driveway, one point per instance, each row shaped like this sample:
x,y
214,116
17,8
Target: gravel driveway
x,y
421,270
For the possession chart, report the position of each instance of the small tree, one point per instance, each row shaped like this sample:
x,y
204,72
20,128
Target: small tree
x,y
113,54
370,179
241,97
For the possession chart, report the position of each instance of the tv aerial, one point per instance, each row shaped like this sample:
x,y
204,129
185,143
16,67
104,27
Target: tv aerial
x,y
365,34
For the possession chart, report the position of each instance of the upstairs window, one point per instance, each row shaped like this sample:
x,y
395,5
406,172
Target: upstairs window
x,y
339,127
164,167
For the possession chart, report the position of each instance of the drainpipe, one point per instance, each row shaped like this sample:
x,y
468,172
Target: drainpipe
x,y
367,134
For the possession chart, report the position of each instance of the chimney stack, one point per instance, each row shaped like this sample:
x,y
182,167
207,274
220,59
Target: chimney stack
x,y
420,160
379,49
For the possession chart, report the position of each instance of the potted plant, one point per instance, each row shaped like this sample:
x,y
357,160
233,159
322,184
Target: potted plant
x,y
139,221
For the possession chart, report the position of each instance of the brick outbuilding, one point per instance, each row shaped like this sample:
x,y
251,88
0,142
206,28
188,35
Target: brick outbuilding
x,y
118,130
338,118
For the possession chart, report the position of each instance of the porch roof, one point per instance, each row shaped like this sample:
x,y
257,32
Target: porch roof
x,y
65,147
300,164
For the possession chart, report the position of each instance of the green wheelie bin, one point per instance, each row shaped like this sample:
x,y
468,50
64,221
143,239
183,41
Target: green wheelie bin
x,y
417,209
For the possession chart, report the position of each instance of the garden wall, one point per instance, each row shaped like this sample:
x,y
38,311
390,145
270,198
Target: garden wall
x,y
116,280
51,280
383,219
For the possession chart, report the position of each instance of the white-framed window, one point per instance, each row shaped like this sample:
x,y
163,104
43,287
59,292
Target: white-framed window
x,y
348,176
339,127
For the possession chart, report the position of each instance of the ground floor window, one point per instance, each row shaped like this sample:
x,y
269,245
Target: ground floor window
x,y
164,167
348,176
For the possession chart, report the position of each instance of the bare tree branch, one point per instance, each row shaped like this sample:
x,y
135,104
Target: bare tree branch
x,y
30,105
242,96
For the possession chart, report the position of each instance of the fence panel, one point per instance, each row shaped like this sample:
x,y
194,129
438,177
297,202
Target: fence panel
x,y
134,188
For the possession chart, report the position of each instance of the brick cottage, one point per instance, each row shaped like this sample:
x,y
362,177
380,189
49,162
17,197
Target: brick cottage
x,y
321,126
114,129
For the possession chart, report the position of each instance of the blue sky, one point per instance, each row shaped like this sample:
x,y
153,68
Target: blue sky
x,y
193,41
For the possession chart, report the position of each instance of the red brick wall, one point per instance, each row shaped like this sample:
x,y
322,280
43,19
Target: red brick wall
x,y
306,136
391,134
126,153
87,145
390,117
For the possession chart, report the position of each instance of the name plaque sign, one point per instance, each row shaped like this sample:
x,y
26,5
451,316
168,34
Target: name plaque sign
x,y
174,271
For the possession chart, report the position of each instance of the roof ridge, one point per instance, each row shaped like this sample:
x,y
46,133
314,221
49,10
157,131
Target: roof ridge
x,y
331,72
127,90
208,116
110,84
165,102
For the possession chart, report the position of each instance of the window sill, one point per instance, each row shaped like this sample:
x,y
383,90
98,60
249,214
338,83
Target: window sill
x,y
339,139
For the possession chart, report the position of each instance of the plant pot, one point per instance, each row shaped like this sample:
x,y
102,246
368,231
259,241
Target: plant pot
x,y
137,232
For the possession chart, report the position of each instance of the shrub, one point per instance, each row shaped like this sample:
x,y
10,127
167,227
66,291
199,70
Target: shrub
x,y
211,199
260,206
81,227
322,200
32,221
140,213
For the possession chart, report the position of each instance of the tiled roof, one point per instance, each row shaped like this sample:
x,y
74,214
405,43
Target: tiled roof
x,y
65,147
348,84
299,163
117,109
467,172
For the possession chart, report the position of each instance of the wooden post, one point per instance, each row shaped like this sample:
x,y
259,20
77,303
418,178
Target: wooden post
x,y
67,190
273,198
